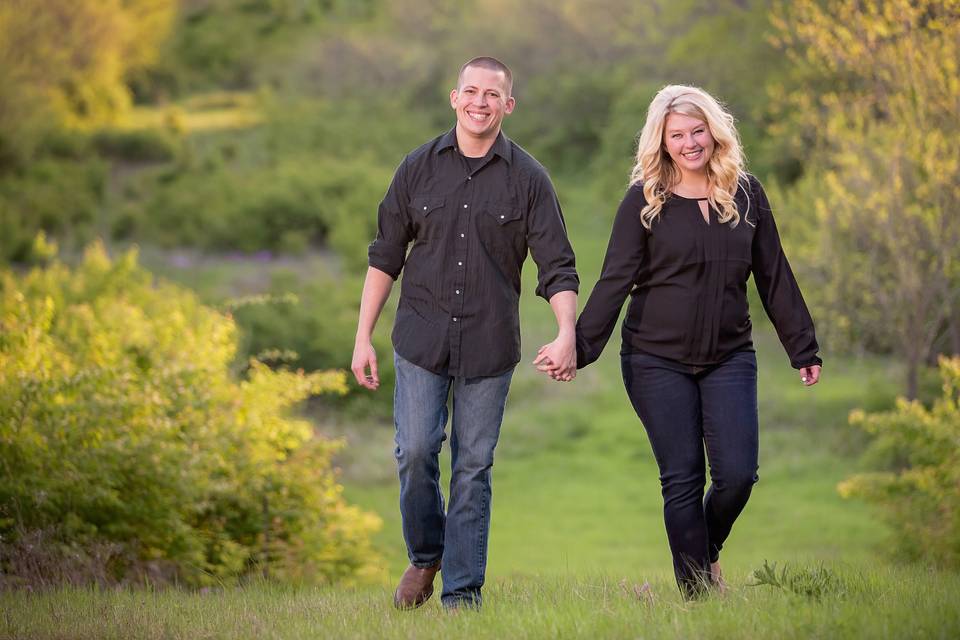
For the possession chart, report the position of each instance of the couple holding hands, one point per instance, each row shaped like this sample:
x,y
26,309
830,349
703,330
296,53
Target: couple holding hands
x,y
458,219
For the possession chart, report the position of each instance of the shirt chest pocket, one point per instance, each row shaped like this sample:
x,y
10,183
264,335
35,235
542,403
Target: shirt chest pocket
x,y
502,230
426,211
425,205
505,214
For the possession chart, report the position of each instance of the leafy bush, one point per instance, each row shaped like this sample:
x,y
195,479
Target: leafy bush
x,y
918,486
284,208
316,331
147,145
124,436
61,197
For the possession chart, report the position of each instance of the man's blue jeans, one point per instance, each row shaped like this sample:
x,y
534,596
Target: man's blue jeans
x,y
457,538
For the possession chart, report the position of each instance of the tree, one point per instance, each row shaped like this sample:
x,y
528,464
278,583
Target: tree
x,y
883,180
66,61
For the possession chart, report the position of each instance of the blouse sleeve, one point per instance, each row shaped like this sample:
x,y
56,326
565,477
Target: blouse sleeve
x,y
625,252
778,288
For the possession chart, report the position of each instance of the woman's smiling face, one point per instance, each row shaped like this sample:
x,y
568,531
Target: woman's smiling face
x,y
688,142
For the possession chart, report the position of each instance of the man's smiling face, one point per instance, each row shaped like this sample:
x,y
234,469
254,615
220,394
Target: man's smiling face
x,y
481,101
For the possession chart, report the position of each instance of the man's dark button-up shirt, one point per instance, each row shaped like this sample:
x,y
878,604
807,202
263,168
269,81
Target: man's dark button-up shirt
x,y
470,230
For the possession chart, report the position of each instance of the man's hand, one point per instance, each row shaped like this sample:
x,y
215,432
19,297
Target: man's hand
x,y
364,356
376,289
810,375
559,358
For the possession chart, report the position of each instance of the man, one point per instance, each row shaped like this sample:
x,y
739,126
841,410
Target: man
x,y
472,203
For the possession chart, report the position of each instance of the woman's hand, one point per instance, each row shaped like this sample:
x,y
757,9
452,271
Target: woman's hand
x,y
810,375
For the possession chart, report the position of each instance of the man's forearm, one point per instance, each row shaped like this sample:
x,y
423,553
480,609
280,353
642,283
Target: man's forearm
x,y
376,290
564,305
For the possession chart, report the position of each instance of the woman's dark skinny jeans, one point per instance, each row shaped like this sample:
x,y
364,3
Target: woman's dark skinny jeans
x,y
684,408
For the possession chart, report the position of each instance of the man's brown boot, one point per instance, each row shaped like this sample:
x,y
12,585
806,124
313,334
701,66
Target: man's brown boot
x,y
415,588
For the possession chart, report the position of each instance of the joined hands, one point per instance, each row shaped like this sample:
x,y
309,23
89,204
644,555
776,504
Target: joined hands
x,y
558,359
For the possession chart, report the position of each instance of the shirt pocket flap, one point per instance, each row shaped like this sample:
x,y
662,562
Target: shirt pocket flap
x,y
504,213
425,205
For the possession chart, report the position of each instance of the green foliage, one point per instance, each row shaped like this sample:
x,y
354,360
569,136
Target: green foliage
x,y
135,146
59,196
63,69
229,44
121,423
285,208
882,175
616,156
316,330
70,57
345,89
311,175
553,124
917,450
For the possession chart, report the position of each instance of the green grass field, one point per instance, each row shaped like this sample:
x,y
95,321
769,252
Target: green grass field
x,y
882,603
577,531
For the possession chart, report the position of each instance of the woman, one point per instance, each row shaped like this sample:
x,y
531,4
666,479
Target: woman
x,y
691,229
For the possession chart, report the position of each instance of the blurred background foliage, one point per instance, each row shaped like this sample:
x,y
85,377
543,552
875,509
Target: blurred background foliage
x,y
243,145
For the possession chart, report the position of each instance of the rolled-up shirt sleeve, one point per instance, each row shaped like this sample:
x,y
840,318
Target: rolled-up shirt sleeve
x,y
778,288
388,251
548,242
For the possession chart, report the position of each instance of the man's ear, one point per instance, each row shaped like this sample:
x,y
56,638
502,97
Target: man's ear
x,y
509,106
453,99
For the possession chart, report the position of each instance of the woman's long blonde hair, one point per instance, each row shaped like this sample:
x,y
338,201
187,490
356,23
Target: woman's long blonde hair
x,y
656,170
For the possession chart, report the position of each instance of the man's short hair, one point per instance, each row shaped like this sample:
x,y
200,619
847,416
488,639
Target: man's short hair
x,y
486,62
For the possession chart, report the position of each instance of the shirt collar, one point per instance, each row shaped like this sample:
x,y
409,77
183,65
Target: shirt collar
x,y
501,146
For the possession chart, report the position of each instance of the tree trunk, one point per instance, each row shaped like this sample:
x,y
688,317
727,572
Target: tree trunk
x,y
913,375
954,330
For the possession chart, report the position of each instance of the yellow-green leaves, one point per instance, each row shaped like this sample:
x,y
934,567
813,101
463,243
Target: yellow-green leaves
x,y
876,121
918,485
121,424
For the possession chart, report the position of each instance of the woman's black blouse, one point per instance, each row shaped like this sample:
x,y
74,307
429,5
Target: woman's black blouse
x,y
687,280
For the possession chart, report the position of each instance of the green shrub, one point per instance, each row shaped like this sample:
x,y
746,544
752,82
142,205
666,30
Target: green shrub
x,y
316,330
60,197
122,427
565,128
144,145
284,208
918,485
